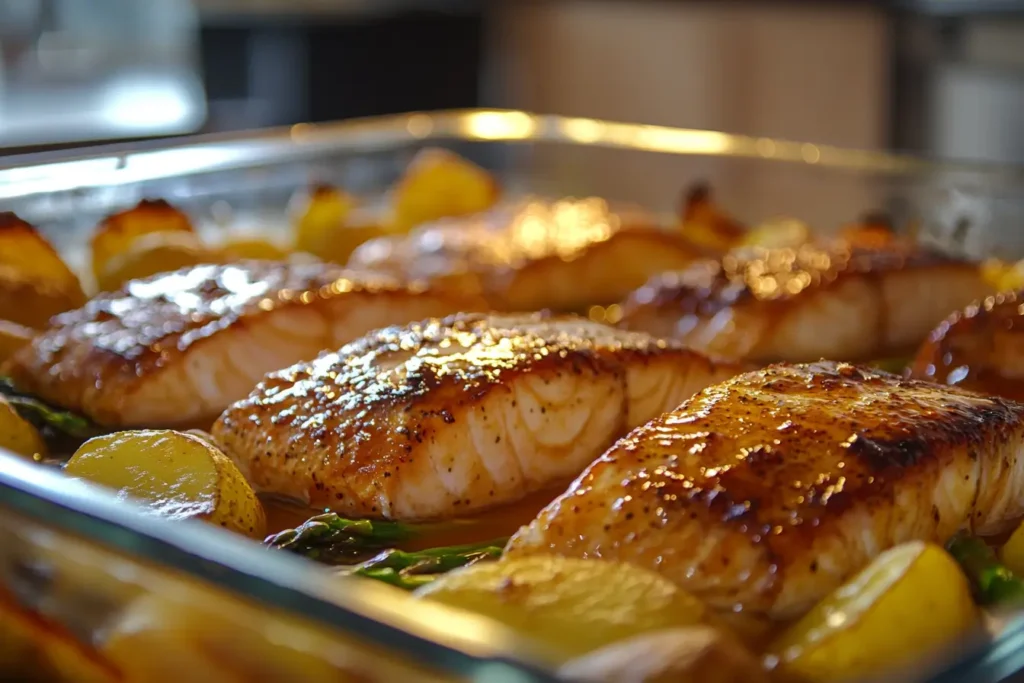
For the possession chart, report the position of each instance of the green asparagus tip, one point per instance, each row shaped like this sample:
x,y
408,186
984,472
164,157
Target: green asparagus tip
x,y
410,570
56,424
332,539
992,581
894,365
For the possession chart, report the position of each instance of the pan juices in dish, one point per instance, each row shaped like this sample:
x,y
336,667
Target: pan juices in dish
x,y
175,349
448,418
767,491
535,254
980,348
806,303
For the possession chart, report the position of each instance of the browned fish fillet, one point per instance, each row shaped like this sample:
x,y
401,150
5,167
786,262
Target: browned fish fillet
x,y
535,254
770,489
806,303
177,348
979,348
451,416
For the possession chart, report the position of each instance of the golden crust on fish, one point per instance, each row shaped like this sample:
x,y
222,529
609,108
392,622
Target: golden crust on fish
x,y
979,348
442,418
177,348
770,489
806,303
562,255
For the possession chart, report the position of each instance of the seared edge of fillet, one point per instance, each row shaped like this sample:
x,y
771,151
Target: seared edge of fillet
x,y
443,417
768,490
168,348
804,303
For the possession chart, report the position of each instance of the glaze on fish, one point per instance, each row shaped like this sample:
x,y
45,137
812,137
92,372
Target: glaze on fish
x,y
447,417
806,303
177,348
535,254
768,490
979,348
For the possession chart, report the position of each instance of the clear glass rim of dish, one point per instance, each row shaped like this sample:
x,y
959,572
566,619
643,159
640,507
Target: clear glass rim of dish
x,y
446,640
127,163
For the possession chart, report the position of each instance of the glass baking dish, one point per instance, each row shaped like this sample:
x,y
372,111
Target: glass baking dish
x,y
77,563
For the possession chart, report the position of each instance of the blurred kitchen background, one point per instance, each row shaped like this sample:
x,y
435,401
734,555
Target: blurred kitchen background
x,y
944,78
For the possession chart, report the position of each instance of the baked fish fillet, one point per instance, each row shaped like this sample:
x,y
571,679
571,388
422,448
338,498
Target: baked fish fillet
x,y
177,348
447,417
979,348
770,489
535,254
806,303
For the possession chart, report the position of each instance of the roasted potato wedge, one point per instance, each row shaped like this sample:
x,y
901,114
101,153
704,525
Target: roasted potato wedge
x,y
1012,552
175,474
438,184
779,233
117,233
187,634
33,648
695,654
912,602
18,435
1003,276
243,247
705,224
158,252
318,217
551,598
35,284
162,641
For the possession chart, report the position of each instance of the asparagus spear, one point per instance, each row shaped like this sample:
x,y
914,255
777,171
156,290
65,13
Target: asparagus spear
x,y
410,570
335,540
893,365
53,422
993,582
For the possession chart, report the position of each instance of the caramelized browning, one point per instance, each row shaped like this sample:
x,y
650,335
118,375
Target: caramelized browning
x,y
706,223
451,416
35,284
979,348
874,231
535,254
117,231
204,335
765,492
805,303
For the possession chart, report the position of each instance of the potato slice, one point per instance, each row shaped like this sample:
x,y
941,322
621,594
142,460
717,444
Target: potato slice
x,y
318,216
162,641
571,605
1002,275
175,474
778,233
33,648
1012,552
242,247
695,654
159,252
116,234
18,435
35,284
705,224
332,232
183,632
911,602
438,184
